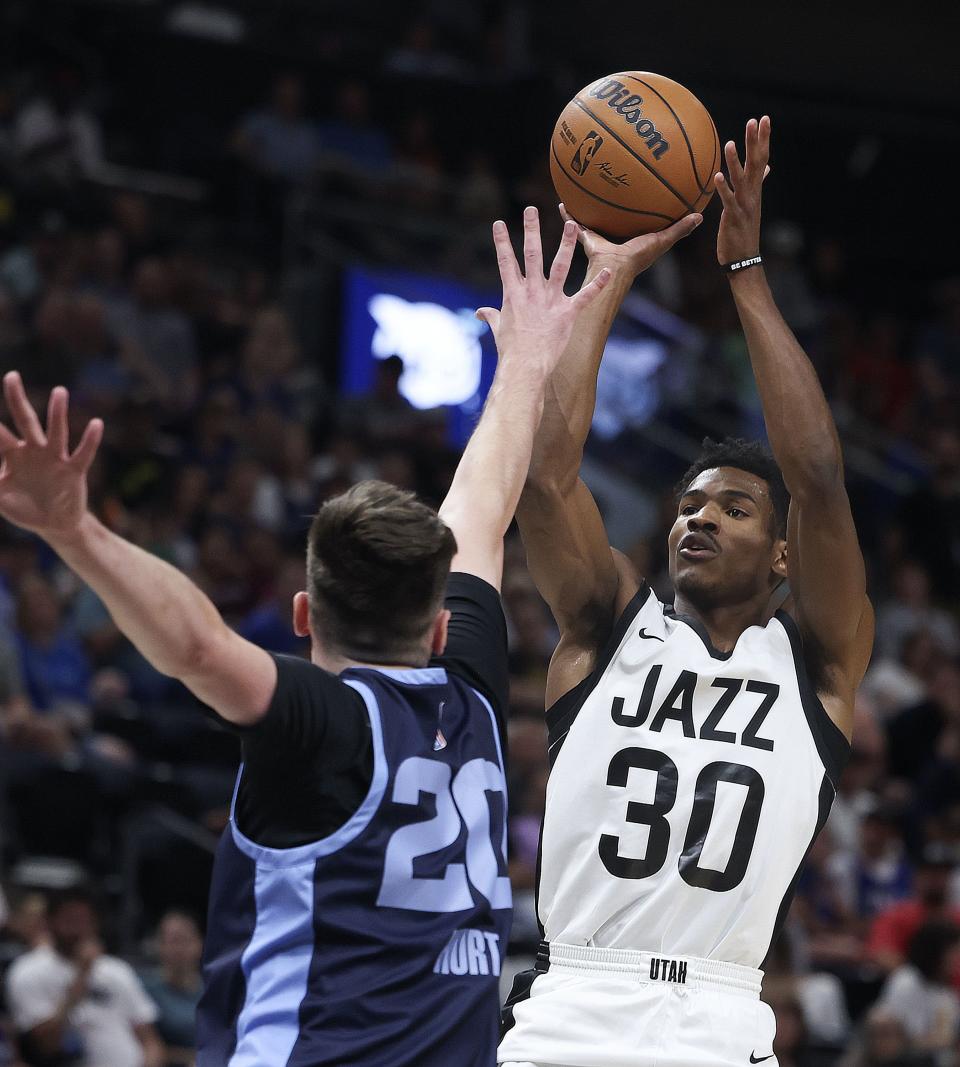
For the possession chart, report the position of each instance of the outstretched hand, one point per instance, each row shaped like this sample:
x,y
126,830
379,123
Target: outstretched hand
x,y
43,485
637,254
740,193
537,318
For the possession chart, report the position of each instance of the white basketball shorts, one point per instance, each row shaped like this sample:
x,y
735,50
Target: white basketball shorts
x,y
588,1007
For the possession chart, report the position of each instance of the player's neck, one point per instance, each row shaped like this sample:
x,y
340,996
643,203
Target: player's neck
x,y
336,664
725,622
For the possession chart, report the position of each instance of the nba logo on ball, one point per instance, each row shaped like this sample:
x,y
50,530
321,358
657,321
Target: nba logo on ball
x,y
586,152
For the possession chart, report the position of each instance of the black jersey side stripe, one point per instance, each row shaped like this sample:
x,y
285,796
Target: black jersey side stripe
x,y
522,985
825,801
833,747
561,714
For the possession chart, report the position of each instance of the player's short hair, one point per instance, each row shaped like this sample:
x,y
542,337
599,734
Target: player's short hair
x,y
745,455
377,565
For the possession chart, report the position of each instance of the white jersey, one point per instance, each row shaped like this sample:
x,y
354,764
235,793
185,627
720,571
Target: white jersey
x,y
687,786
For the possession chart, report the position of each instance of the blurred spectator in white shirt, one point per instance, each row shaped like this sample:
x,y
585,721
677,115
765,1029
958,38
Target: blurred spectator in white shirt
x,y
71,999
919,994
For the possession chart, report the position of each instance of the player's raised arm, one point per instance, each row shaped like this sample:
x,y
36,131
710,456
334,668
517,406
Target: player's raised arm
x,y
824,561
567,549
531,331
43,488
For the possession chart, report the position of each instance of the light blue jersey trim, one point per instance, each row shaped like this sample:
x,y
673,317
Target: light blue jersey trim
x,y
494,724
276,966
413,675
273,858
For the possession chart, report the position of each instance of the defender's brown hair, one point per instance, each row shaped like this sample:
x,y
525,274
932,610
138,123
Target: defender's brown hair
x,y
377,564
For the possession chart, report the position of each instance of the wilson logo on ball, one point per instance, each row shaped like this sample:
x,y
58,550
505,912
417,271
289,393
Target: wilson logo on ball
x,y
586,152
627,104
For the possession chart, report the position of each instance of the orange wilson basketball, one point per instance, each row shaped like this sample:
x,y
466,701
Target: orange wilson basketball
x,y
632,153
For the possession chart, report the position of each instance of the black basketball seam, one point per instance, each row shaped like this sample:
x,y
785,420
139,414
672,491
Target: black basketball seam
x,y
663,181
716,149
713,159
693,159
609,203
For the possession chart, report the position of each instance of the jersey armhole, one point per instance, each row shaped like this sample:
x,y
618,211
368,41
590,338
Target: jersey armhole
x,y
269,857
561,714
832,745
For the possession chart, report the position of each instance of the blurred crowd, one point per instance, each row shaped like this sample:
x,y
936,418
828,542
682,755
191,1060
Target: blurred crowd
x,y
175,322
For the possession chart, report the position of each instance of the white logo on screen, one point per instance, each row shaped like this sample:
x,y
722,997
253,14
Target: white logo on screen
x,y
628,392
440,349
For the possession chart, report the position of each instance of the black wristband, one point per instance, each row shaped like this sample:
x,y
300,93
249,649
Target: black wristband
x,y
742,264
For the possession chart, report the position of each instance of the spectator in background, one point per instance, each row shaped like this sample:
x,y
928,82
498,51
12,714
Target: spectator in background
x,y
909,610
105,267
383,416
915,733
824,914
885,1043
879,874
103,379
938,788
55,667
532,638
273,374
158,338
893,930
350,138
277,141
862,778
820,994
931,516
270,624
56,137
420,56
139,462
937,351
72,1003
919,994
792,1045
175,986
27,923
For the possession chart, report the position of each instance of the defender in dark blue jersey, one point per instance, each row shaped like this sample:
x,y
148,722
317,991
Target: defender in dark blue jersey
x,y
366,857
360,901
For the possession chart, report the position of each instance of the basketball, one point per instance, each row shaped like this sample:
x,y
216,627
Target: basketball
x,y
632,153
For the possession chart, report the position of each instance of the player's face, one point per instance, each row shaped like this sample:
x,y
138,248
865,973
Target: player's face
x,y
722,547
70,924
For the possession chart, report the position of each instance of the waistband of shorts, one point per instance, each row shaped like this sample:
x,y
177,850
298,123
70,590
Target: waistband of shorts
x,y
651,968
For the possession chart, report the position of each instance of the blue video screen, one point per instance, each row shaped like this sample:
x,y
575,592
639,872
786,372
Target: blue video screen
x,y
449,356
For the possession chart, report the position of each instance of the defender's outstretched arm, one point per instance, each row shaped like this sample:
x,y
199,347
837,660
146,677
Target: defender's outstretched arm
x,y
824,561
43,488
585,584
531,332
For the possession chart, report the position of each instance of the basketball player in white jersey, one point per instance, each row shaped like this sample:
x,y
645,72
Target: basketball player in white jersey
x,y
695,749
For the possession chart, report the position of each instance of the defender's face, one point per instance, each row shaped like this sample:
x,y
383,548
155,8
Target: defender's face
x,y
721,546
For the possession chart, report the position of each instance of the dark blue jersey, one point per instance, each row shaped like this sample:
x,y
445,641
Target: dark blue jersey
x,y
380,943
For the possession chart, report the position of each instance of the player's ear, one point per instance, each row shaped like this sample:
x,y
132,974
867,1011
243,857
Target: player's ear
x,y
779,565
301,614
439,641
